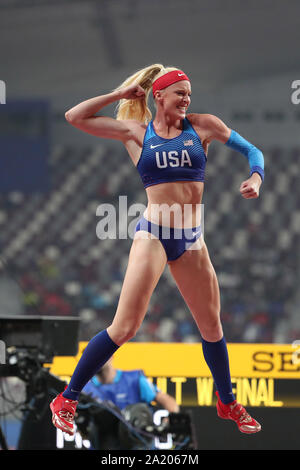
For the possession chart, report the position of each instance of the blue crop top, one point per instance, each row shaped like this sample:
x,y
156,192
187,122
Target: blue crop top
x,y
179,159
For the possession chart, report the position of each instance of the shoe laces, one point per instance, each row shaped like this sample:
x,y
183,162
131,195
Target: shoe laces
x,y
66,415
241,413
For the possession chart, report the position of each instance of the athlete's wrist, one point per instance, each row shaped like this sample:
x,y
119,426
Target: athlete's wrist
x,y
117,95
257,174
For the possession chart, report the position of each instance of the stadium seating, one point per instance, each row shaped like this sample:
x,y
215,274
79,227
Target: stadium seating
x,y
50,247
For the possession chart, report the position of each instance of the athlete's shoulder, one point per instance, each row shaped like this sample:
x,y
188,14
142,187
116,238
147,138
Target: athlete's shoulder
x,y
204,120
211,125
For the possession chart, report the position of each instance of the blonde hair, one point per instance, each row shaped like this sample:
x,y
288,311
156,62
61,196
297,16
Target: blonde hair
x,y
138,109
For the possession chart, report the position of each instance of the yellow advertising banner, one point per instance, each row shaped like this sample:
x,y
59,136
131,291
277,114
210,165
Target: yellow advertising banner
x,y
278,361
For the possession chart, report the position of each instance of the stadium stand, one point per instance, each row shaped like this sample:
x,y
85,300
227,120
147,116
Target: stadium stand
x,y
50,246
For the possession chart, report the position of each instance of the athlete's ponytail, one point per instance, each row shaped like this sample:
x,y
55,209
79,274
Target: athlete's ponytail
x,y
138,109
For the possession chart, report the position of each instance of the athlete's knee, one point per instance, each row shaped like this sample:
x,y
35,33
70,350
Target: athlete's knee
x,y
123,334
212,330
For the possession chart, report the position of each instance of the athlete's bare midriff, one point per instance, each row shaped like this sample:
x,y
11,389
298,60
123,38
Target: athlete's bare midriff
x,y
177,202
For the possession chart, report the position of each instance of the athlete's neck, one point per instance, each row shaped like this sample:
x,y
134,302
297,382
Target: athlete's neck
x,y
164,125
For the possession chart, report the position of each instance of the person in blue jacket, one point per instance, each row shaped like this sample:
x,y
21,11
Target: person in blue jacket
x,y
129,394
124,388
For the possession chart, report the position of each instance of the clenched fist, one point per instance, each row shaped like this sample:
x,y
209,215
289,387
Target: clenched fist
x,y
132,92
249,189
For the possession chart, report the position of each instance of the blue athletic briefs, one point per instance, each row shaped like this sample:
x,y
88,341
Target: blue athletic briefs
x,y
174,240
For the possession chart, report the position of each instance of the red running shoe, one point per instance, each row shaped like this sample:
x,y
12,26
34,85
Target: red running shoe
x,y
63,413
237,413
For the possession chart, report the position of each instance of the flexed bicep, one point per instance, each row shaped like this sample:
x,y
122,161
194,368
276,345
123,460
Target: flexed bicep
x,y
84,115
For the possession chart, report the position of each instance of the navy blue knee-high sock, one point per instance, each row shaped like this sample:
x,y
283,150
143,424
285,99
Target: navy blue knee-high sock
x,y
98,351
216,357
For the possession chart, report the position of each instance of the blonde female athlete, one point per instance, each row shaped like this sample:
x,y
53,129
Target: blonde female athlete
x,y
170,153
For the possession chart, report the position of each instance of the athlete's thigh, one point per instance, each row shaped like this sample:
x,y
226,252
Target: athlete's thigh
x,y
196,279
146,263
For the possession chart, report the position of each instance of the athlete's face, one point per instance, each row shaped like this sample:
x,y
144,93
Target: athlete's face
x,y
177,98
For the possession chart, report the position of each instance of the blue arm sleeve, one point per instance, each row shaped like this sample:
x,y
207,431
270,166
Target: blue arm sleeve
x,y
253,154
147,390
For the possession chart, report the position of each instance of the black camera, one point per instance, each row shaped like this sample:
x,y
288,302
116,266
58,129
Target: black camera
x,y
108,427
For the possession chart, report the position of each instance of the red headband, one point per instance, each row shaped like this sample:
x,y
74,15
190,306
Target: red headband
x,y
168,79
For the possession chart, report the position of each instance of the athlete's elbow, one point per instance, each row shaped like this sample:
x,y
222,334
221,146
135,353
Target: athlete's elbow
x,y
73,116
70,117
